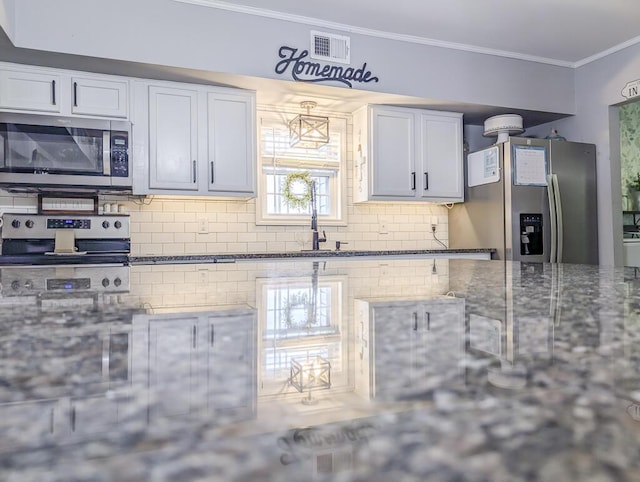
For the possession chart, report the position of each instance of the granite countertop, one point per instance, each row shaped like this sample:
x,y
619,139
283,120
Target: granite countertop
x,y
428,369
322,253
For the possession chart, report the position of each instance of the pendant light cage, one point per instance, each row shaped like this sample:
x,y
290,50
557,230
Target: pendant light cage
x,y
309,131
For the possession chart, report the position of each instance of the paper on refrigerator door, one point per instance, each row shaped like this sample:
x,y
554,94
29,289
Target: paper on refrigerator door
x,y
529,166
483,167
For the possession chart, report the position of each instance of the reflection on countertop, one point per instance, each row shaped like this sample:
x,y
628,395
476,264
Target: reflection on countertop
x,y
374,369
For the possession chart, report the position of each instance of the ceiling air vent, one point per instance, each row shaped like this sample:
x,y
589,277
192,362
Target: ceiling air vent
x,y
330,47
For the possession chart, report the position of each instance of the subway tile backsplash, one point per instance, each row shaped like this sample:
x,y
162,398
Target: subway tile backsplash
x,y
165,226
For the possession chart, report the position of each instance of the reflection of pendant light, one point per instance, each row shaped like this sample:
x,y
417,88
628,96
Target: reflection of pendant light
x,y
309,131
310,375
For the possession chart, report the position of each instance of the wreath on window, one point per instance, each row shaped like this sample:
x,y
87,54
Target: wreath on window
x,y
293,302
297,189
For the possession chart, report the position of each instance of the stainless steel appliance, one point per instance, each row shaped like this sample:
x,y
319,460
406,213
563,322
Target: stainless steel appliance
x,y
530,199
56,282
65,239
39,152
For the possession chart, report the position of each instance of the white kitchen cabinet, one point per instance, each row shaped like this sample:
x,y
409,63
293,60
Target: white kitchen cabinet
x,y
61,92
194,140
407,154
173,138
230,143
441,157
430,334
197,364
100,97
30,90
393,147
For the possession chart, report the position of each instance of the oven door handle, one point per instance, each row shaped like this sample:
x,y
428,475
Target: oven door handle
x,y
106,153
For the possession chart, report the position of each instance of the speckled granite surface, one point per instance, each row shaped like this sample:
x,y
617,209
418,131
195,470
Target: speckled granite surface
x,y
323,253
443,370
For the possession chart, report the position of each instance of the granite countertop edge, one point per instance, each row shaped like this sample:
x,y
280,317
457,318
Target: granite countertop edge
x,y
222,258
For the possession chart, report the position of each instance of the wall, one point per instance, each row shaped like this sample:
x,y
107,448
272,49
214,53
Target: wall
x,y
169,226
215,40
599,86
7,17
218,41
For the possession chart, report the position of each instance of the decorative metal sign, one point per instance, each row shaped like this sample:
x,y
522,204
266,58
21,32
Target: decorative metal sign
x,y
301,444
632,89
305,71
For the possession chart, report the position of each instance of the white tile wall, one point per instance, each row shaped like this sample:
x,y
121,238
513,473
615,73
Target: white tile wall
x,y
169,226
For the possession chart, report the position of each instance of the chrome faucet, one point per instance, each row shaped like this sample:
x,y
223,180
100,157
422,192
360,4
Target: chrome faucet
x,y
314,221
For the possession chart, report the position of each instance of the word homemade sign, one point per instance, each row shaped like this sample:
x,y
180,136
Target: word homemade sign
x,y
305,71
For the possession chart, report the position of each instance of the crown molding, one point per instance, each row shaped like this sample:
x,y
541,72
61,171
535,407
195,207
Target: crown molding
x,y
604,53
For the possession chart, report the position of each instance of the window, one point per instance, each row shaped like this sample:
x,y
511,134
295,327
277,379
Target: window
x,y
277,159
300,318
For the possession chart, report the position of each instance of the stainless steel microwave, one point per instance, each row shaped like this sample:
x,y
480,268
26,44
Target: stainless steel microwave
x,y
42,152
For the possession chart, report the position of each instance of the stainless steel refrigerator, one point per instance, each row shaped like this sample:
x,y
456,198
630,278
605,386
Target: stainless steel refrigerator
x,y
530,199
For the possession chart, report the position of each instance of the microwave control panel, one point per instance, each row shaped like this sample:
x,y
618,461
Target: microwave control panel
x,y
119,154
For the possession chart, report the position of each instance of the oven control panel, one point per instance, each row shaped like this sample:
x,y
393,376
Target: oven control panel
x,y
68,223
42,280
41,226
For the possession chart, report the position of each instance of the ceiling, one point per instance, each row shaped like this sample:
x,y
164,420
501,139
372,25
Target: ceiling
x,y
561,32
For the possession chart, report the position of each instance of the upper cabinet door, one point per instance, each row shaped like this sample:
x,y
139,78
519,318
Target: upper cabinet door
x,y
24,90
173,138
99,97
392,152
441,175
231,135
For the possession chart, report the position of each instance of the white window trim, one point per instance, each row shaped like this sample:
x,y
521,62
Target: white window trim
x,y
270,388
339,214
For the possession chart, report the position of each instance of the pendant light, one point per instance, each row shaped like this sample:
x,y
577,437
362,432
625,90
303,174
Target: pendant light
x,y
309,131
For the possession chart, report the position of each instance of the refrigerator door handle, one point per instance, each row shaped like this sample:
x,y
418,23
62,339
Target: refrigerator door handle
x,y
552,216
559,224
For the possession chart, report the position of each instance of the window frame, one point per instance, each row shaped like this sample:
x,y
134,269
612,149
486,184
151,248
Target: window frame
x,y
338,215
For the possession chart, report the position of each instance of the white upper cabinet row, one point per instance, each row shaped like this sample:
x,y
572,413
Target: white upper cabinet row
x,y
201,140
49,91
406,154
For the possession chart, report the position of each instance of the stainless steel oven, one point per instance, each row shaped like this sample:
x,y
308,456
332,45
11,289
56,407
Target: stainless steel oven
x,y
45,239
39,152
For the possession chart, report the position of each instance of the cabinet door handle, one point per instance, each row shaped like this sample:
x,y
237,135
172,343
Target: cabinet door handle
x,y
53,92
213,335
213,175
426,181
428,320
193,336
415,321
413,181
194,170
75,94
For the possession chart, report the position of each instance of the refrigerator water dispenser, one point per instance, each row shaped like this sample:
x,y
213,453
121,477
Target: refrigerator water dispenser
x,y
531,234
